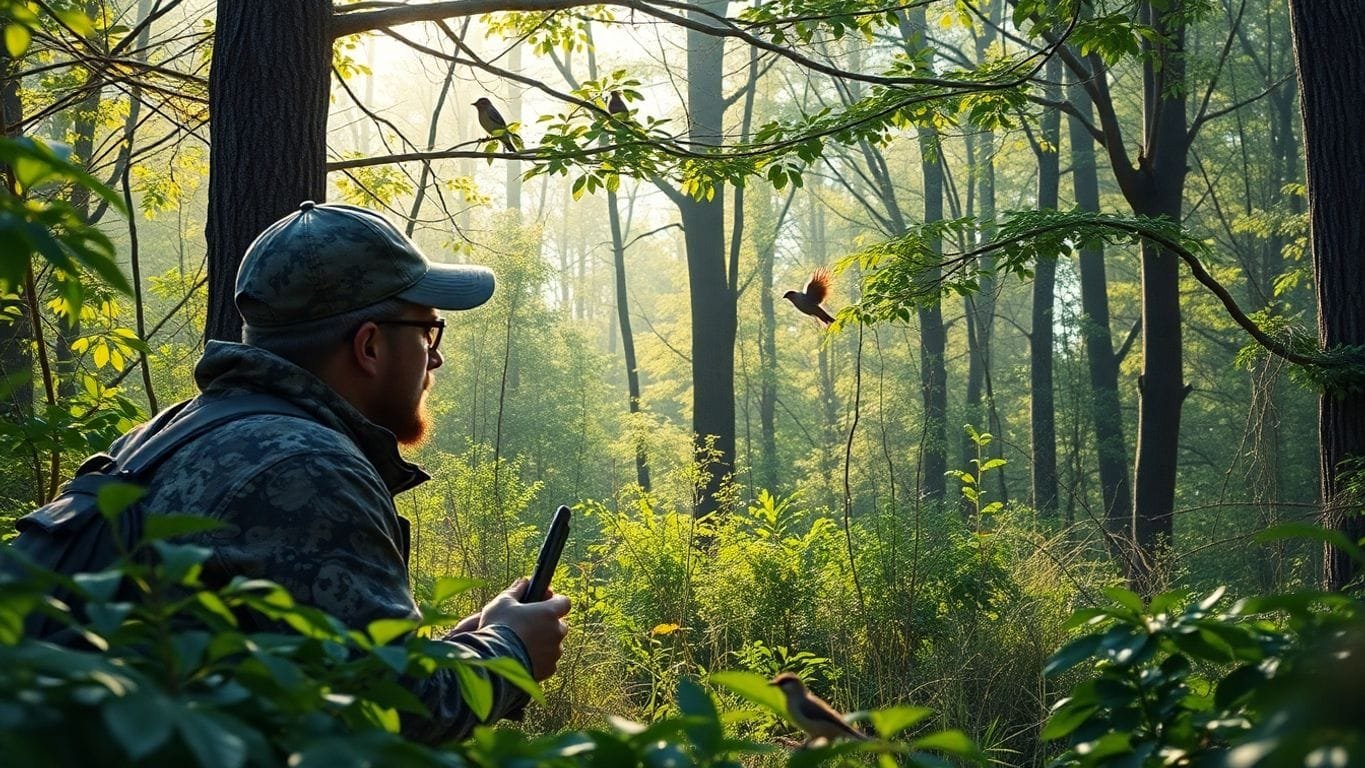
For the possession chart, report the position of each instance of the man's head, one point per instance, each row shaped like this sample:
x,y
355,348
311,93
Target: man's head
x,y
341,292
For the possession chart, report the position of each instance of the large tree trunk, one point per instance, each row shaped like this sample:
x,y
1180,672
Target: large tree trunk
x,y
714,317
1159,193
1329,45
1042,416
268,100
1110,446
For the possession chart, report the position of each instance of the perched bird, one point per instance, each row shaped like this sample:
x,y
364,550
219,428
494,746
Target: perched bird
x,y
490,120
811,714
616,105
808,301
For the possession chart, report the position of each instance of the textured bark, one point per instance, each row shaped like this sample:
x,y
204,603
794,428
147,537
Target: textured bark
x,y
268,99
714,313
1153,187
1110,446
16,334
1042,416
1329,46
933,336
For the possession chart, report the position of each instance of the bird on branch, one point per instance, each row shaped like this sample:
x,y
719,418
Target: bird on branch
x,y
491,121
811,714
808,300
616,106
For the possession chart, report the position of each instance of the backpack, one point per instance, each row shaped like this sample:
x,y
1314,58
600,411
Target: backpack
x,y
69,534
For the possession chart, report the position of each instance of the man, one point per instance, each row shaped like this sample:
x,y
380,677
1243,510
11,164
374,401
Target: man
x,y
340,320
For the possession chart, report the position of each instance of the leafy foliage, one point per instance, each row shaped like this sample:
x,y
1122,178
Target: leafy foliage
x,y
1267,681
161,669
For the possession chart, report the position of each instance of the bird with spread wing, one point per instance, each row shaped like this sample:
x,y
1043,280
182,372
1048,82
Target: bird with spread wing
x,y
808,300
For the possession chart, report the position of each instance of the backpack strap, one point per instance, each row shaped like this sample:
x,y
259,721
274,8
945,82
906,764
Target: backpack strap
x,y
160,439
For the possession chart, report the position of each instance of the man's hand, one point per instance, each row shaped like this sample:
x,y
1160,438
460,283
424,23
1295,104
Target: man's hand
x,y
539,625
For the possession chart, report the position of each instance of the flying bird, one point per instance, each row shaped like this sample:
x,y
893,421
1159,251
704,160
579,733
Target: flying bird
x,y
811,714
808,301
491,121
617,106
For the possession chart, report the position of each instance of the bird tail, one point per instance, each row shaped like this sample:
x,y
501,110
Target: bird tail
x,y
824,316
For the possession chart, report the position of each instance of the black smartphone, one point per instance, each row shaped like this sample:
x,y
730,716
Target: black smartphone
x,y
548,559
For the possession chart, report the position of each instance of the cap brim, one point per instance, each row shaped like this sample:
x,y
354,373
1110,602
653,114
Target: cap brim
x,y
452,286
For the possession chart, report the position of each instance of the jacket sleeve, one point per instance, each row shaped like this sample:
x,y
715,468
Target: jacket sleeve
x,y
324,526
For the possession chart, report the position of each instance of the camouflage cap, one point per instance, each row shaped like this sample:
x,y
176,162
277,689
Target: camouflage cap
x,y
326,259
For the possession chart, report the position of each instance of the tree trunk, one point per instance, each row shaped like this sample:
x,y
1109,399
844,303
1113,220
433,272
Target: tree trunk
x,y
714,317
618,250
1110,447
1329,47
1042,416
268,98
16,327
980,306
1159,193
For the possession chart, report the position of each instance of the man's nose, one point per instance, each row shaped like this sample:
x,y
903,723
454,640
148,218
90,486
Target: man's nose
x,y
434,359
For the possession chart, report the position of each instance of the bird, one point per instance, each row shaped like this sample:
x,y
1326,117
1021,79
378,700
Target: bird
x,y
616,105
808,301
491,121
811,714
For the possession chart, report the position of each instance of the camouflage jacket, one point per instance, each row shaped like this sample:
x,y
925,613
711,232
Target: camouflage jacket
x,y
309,504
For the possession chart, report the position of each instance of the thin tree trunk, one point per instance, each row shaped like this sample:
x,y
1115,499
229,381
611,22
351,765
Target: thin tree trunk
x,y
1042,415
618,250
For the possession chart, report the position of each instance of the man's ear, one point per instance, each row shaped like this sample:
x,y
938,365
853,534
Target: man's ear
x,y
366,348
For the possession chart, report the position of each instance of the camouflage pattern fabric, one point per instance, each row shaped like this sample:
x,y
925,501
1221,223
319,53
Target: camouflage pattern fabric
x,y
309,504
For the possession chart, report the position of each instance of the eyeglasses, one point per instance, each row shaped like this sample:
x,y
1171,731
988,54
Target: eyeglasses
x,y
434,328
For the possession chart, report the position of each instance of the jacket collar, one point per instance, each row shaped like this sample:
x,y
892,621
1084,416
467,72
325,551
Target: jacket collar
x,y
228,367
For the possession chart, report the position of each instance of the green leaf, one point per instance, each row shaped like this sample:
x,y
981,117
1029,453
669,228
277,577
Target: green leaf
x,y
139,722
953,742
753,688
1312,532
385,631
1072,654
1065,719
180,562
1108,745
212,746
113,498
395,657
169,526
892,720
100,586
514,673
17,38
107,617
476,690
447,587
1125,598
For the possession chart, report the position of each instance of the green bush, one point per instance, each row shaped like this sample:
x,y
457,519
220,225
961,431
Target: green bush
x,y
1265,681
159,670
